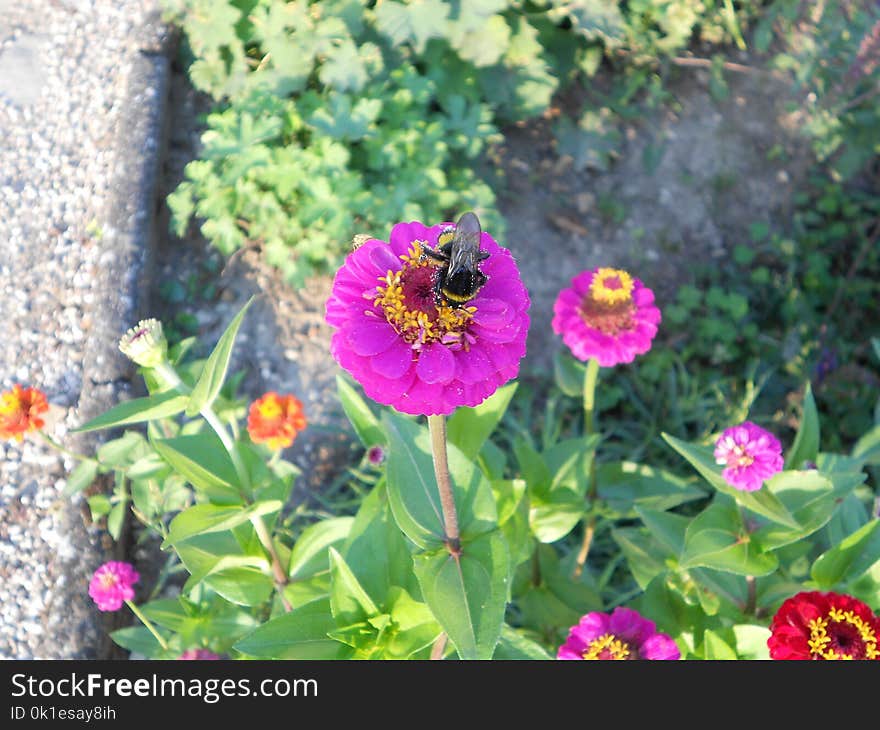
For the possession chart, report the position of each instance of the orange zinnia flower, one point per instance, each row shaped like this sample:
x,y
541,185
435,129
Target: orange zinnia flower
x,y
275,420
20,410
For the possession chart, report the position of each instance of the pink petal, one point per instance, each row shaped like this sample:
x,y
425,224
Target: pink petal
x,y
436,364
394,362
371,338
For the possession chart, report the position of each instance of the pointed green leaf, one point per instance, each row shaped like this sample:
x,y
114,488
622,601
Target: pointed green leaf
x,y
137,639
810,497
214,371
642,552
412,487
468,594
569,374
309,554
667,527
468,428
624,484
867,448
349,601
554,514
203,461
762,502
850,559
81,477
717,539
300,634
715,648
806,444
201,519
138,410
515,645
362,419
244,586
751,641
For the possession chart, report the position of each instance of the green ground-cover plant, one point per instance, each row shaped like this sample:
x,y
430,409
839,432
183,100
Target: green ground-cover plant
x,y
342,116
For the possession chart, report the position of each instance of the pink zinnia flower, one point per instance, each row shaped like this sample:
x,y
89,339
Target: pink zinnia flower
x,y
112,585
410,352
606,315
622,634
750,455
197,654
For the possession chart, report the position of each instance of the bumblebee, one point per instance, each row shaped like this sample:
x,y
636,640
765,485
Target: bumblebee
x,y
458,258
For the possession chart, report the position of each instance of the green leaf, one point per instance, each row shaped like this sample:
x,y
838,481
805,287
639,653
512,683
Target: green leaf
x,y
123,451
376,550
137,639
667,528
201,519
717,539
806,444
415,22
810,497
412,488
468,428
714,647
309,554
214,371
468,594
850,559
751,641
81,477
153,407
203,461
116,518
762,502
244,586
626,484
365,424
99,505
553,515
643,554
513,644
349,602
300,634
594,19
569,374
867,448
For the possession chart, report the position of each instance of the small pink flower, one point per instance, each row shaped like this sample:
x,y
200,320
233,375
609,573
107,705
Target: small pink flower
x,y
622,634
375,455
112,585
199,654
409,351
606,315
750,455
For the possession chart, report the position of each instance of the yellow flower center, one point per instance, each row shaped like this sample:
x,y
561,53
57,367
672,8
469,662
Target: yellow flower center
x,y
607,646
611,286
108,580
740,457
849,629
407,299
270,408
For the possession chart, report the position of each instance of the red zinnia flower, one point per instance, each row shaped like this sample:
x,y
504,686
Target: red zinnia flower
x,y
275,420
816,625
20,410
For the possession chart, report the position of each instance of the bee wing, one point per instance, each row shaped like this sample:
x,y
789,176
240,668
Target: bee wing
x,y
466,243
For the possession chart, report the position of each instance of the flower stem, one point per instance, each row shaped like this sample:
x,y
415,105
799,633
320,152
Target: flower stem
x,y
146,622
213,420
439,646
437,427
591,377
67,452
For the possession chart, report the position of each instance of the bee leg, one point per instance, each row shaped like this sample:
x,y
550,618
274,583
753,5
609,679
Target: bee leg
x,y
438,257
483,255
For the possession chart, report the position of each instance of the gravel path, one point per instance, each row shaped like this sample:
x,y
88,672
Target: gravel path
x,y
82,89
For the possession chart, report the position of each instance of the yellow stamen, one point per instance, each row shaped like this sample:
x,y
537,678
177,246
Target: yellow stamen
x,y
420,326
819,638
611,286
607,643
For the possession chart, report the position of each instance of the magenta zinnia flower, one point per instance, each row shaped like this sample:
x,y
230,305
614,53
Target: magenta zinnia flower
x,y
606,315
622,634
817,625
112,585
405,349
750,455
